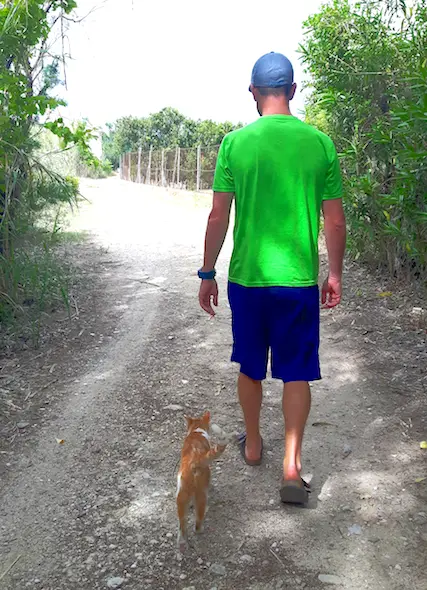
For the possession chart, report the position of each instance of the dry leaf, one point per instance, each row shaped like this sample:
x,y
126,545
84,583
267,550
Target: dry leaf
x,y
60,441
322,424
385,294
420,479
423,444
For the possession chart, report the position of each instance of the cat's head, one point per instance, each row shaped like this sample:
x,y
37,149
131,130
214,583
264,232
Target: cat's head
x,y
203,422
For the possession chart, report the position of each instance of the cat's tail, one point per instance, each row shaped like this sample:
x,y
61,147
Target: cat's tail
x,y
214,452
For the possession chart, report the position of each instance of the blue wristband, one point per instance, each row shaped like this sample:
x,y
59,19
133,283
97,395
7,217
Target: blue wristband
x,y
207,276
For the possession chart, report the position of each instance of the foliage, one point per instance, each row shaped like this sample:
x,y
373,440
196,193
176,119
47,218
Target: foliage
x,y
368,68
109,151
39,281
72,161
88,165
165,129
96,169
29,73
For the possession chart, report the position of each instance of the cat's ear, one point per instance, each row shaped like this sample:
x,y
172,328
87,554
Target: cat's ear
x,y
206,417
188,420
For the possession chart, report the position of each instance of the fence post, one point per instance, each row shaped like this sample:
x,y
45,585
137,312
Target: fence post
x,y
138,178
178,164
129,166
174,167
162,173
120,167
199,159
149,165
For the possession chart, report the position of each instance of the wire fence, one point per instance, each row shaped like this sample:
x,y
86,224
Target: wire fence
x,y
184,168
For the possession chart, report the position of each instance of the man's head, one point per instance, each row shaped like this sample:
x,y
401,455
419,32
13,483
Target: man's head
x,y
272,83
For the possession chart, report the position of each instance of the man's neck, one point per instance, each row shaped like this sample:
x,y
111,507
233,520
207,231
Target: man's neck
x,y
276,108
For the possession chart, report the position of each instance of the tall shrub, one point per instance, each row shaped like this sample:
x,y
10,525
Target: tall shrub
x,y
367,66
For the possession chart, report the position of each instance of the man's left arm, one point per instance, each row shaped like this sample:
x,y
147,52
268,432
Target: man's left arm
x,y
218,222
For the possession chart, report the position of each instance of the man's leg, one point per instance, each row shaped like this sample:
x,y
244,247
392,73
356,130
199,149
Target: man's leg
x,y
250,350
250,396
296,408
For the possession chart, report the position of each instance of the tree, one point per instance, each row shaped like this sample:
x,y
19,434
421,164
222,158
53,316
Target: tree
x,y
368,74
29,72
166,129
210,133
108,146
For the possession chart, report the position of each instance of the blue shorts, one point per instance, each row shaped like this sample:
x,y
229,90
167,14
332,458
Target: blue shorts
x,y
283,319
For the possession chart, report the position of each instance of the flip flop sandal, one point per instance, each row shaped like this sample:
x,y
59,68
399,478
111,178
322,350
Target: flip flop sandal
x,y
294,491
242,447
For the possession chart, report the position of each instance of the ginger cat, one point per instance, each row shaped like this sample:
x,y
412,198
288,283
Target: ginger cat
x,y
194,473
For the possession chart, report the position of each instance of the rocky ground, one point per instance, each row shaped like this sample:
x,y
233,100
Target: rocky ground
x,y
91,426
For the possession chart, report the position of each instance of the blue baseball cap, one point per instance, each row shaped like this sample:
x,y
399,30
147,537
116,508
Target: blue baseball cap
x,y
272,70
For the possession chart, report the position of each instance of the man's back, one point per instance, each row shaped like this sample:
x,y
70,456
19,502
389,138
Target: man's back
x,y
280,170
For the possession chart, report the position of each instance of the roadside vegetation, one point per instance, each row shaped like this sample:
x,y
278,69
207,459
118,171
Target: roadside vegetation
x,y
40,160
367,66
166,129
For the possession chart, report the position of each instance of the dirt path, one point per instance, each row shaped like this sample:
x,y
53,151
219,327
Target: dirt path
x,y
98,511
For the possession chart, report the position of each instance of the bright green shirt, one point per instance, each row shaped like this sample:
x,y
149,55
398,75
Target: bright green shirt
x,y
280,170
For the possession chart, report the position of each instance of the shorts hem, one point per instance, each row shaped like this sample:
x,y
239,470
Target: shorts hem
x,y
249,373
292,378
308,377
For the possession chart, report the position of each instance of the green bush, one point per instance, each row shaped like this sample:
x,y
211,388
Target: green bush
x,y
38,282
368,75
95,169
36,150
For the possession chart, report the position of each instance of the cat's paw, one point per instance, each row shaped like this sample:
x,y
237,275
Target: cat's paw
x,y
216,430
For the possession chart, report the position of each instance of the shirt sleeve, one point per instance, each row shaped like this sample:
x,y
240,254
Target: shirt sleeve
x,y
223,179
333,184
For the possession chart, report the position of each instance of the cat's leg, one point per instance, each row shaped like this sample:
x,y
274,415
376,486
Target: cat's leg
x,y
201,507
182,501
214,453
217,451
182,506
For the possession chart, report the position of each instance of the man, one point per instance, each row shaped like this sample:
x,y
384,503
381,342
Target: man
x,y
282,174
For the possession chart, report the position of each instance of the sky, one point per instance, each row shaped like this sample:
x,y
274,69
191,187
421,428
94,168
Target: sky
x,y
134,57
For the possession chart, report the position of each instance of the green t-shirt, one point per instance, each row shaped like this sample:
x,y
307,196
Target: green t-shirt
x,y
279,169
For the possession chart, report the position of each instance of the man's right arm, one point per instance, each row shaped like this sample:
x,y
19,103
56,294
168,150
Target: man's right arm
x,y
335,235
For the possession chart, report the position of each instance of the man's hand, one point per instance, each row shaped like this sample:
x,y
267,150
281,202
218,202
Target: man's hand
x,y
208,294
331,292
335,235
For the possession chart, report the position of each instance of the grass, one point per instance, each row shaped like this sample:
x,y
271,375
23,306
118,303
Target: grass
x,y
39,281
71,237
